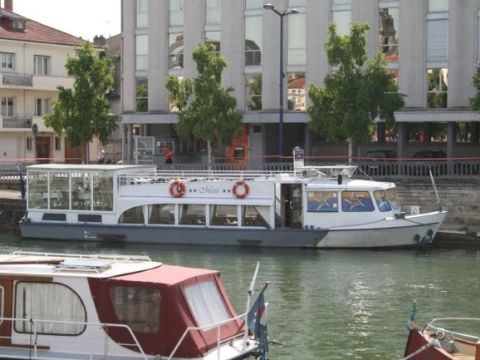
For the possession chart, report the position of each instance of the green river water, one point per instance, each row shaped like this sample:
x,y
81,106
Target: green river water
x,y
325,304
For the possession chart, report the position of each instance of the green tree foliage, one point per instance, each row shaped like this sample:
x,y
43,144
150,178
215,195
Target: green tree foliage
x,y
83,112
475,100
207,110
355,92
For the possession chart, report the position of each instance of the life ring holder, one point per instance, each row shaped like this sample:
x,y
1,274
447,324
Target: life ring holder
x,y
177,189
237,192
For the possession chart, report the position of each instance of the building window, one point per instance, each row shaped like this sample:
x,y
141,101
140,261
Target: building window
x,y
437,5
437,31
18,25
29,143
253,40
175,12
58,143
141,52
437,88
213,37
142,13
296,36
342,15
388,35
175,51
213,12
7,61
141,94
253,4
42,106
296,92
37,300
253,92
7,106
41,65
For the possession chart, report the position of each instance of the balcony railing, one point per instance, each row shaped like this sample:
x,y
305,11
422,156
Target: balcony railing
x,y
18,121
15,79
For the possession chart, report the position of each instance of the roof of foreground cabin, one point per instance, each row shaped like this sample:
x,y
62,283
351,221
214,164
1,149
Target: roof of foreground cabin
x,y
86,167
36,32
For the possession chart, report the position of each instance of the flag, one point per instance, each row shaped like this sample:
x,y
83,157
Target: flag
x,y
257,324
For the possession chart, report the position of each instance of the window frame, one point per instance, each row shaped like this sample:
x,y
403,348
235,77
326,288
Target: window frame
x,y
7,58
371,208
42,65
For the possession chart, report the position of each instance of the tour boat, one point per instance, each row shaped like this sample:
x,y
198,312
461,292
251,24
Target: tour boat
x,y
310,207
444,339
68,306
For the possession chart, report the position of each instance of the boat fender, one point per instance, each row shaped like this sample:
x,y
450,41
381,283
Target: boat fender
x,y
241,189
177,189
426,240
339,179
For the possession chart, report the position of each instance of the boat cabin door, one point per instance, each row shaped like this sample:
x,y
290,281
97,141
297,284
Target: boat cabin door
x,y
291,201
6,286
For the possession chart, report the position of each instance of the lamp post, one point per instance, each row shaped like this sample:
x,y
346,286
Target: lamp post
x,y
282,15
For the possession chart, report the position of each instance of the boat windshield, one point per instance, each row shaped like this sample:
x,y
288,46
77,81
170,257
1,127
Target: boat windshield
x,y
386,200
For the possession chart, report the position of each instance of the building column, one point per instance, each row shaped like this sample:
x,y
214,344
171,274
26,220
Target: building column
x,y
308,141
474,133
412,52
381,132
128,55
129,143
193,33
451,138
401,139
157,55
462,55
232,34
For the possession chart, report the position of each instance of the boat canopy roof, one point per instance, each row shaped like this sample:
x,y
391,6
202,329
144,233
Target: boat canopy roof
x,y
89,167
351,184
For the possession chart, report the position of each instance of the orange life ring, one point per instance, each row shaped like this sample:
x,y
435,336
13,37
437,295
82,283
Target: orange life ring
x,y
242,194
177,189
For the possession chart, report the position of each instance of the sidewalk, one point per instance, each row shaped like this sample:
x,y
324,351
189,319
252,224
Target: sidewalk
x,y
10,194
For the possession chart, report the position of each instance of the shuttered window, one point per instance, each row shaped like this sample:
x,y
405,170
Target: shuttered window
x,y
437,41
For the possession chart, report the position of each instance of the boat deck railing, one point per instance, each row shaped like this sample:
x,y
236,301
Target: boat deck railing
x,y
218,327
33,331
111,257
436,323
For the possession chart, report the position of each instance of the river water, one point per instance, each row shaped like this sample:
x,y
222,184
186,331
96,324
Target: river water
x,y
325,304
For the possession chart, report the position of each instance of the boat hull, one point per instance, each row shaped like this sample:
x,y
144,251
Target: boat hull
x,y
388,233
420,344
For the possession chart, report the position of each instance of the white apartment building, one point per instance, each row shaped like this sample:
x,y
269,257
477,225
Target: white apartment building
x,y
431,46
32,66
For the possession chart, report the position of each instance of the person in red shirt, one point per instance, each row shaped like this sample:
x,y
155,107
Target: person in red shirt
x,y
168,154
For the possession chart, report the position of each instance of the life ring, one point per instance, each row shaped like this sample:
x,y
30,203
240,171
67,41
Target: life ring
x,y
177,189
241,189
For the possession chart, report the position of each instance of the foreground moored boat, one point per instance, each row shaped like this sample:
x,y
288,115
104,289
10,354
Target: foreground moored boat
x,y
59,306
311,207
444,339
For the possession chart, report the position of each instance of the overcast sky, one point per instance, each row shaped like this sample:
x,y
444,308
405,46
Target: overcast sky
x,y
85,18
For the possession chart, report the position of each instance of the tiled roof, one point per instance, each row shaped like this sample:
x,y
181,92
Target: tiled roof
x,y
36,32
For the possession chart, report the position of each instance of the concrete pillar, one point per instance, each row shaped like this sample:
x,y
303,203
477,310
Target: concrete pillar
x,y
193,32
128,56
451,137
412,52
381,132
401,139
308,141
318,16
271,56
233,47
158,55
129,143
462,52
474,133
366,11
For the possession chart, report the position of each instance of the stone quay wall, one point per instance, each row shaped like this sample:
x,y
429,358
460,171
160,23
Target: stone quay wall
x,y
461,197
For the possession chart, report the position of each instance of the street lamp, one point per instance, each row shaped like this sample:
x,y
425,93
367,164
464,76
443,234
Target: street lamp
x,y
282,15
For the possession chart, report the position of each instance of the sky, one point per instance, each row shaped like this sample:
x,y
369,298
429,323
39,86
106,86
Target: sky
x,y
84,18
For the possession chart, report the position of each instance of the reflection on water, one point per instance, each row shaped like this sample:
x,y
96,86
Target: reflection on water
x,y
325,304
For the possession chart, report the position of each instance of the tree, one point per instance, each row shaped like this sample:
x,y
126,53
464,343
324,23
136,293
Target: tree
x,y
354,93
475,100
207,110
83,112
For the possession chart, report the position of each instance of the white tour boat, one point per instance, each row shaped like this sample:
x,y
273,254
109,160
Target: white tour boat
x,y
91,307
310,207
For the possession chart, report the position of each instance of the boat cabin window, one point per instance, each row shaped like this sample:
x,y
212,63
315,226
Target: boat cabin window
x,y
38,190
59,308
132,216
192,214
102,191
356,201
81,191
161,214
223,215
206,303
322,201
255,216
137,307
59,191
382,200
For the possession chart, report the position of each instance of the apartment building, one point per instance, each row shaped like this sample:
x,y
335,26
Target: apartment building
x,y
431,47
32,66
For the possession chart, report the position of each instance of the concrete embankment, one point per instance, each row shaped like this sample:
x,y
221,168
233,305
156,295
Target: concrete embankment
x,y
461,197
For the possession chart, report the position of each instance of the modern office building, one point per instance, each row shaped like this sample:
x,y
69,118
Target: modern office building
x,y
32,66
431,46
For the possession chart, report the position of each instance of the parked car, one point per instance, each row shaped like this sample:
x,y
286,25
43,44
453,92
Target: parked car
x,y
377,168
430,154
381,154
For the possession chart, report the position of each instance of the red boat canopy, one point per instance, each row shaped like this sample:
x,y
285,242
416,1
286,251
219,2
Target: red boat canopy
x,y
159,304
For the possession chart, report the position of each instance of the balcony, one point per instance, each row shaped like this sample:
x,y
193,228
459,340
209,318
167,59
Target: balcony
x,y
14,79
16,122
